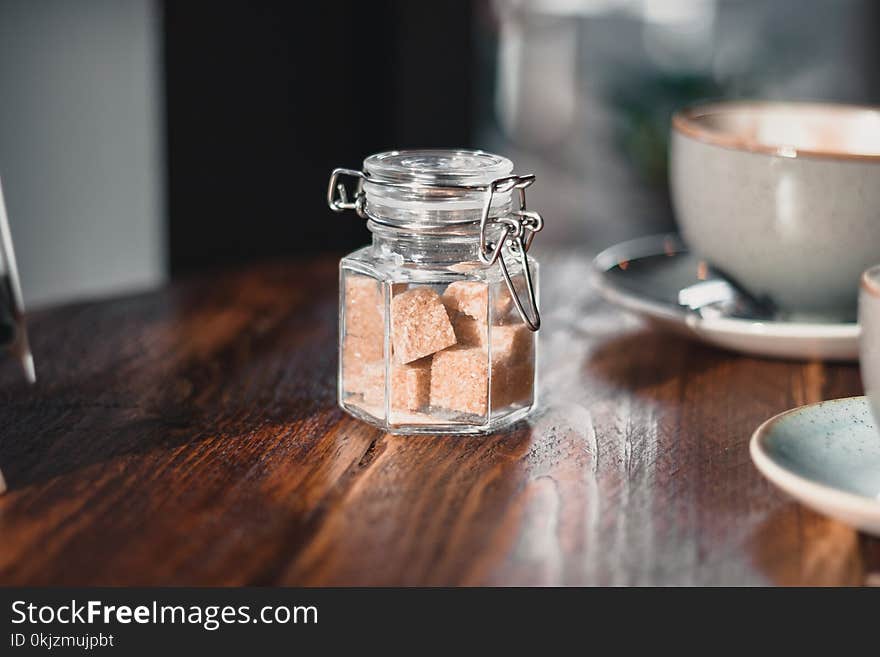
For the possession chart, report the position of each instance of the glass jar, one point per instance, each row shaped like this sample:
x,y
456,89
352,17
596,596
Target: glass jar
x,y
437,317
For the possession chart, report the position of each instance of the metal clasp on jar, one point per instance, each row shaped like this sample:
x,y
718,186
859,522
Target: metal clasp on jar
x,y
337,196
519,228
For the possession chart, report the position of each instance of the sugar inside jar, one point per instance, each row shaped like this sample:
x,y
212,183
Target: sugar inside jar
x,y
438,316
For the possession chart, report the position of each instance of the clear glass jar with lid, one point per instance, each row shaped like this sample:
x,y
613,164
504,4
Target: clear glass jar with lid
x,y
437,317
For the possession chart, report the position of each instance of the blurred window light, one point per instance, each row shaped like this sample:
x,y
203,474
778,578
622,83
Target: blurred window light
x,y
537,80
679,34
654,11
582,8
678,12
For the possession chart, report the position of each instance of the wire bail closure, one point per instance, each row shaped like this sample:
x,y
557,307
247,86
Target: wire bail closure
x,y
337,196
519,227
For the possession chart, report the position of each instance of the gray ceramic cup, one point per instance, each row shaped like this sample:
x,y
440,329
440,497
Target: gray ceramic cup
x,y
869,345
783,197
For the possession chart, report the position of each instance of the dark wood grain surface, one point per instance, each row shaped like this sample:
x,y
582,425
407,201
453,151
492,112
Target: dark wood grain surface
x,y
191,436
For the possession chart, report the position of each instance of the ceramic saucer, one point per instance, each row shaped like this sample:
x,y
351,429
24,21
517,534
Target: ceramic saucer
x,y
645,276
827,456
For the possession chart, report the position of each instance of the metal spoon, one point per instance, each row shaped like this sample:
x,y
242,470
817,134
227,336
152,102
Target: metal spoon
x,y
720,296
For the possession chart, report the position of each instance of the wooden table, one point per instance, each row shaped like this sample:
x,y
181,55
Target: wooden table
x,y
191,436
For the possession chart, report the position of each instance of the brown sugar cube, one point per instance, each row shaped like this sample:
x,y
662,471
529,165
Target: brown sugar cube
x,y
521,384
363,378
363,369
358,352
469,332
512,384
467,303
411,385
502,304
513,344
459,380
420,325
503,309
513,366
363,307
470,298
366,349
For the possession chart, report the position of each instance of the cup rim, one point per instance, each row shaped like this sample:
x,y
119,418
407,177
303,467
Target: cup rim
x,y
871,281
685,122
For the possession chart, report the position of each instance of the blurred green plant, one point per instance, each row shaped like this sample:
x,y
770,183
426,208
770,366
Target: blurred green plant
x,y
642,103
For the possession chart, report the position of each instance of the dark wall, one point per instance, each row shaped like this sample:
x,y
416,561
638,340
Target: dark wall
x,y
265,98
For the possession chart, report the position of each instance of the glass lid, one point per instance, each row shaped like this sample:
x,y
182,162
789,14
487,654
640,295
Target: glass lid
x,y
437,167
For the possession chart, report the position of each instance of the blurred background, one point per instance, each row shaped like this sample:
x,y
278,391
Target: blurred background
x,y
142,140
